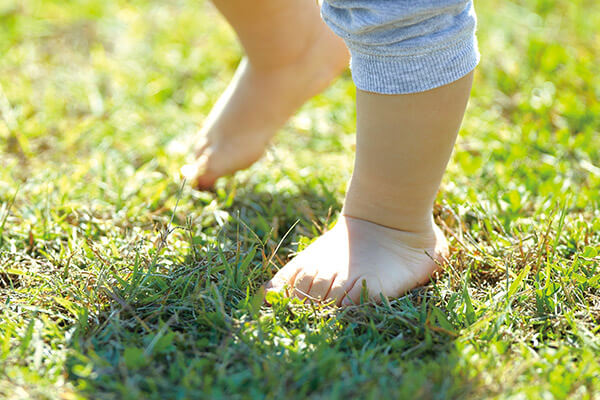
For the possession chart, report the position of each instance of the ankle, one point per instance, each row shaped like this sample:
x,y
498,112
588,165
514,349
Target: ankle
x,y
397,209
426,238
389,219
321,47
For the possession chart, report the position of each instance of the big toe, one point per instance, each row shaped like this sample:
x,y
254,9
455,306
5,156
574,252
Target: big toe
x,y
198,174
282,279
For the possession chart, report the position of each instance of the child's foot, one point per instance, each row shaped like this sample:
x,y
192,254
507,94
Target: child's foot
x,y
257,103
389,261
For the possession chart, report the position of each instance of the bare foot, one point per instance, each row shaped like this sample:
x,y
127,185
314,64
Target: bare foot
x,y
389,261
257,103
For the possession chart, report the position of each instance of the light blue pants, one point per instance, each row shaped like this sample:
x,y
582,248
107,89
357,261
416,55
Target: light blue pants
x,y
405,46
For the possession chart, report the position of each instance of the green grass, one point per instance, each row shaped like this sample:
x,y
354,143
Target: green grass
x,y
117,282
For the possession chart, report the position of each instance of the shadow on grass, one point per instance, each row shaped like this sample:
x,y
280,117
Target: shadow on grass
x,y
196,327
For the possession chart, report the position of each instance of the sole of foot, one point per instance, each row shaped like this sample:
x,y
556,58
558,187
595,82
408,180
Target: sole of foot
x,y
356,253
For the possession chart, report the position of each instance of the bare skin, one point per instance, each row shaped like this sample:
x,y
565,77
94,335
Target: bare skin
x,y
291,56
385,238
334,266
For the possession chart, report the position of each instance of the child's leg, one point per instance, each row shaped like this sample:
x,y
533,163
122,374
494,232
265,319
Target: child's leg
x,y
291,56
386,236
403,145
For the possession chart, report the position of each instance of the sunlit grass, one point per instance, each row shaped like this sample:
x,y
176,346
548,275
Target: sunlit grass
x,y
118,282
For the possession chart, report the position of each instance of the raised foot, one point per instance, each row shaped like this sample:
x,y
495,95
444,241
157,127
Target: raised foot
x,y
388,261
258,101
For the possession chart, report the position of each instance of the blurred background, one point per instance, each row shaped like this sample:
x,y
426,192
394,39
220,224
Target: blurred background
x,y
120,84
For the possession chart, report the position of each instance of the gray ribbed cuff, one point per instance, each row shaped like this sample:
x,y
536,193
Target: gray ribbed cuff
x,y
413,73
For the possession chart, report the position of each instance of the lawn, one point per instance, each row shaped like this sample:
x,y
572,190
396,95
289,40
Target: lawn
x,y
119,282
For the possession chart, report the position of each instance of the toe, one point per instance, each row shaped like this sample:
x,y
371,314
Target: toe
x,y
285,276
337,290
321,286
354,293
303,284
205,182
198,174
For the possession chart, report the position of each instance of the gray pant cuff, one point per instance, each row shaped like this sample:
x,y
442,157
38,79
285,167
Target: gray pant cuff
x,y
414,73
